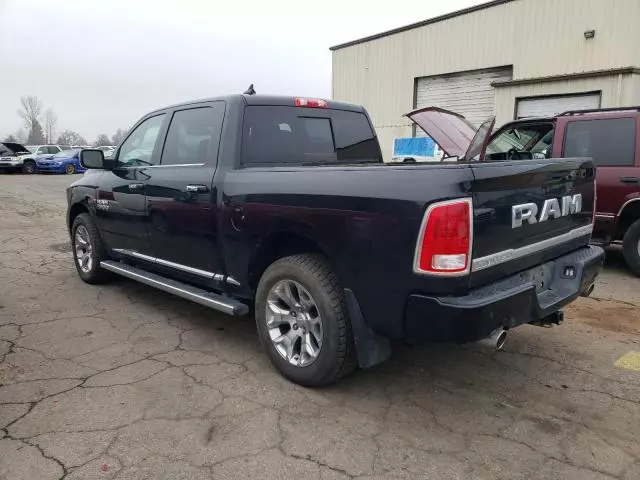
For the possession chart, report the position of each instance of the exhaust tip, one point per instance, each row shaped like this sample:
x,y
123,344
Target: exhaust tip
x,y
495,340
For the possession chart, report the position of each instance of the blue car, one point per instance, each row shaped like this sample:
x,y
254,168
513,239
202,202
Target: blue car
x,y
67,161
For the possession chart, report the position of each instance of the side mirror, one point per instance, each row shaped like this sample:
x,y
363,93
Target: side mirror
x,y
92,158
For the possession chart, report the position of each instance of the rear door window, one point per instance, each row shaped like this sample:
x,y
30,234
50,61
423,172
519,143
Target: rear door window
x,y
194,135
295,135
609,142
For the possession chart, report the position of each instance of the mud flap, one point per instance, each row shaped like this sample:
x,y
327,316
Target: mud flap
x,y
371,348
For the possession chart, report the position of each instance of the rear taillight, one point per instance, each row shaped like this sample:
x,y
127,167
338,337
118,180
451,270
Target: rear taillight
x,y
445,240
311,102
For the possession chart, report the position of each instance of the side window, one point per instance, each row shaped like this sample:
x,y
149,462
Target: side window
x,y
53,150
194,135
137,149
610,142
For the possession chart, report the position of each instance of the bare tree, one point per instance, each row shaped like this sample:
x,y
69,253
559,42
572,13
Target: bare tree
x,y
30,112
69,137
119,136
102,141
50,122
10,139
20,135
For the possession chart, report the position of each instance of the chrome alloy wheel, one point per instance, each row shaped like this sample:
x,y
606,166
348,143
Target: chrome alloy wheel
x,y
83,249
294,323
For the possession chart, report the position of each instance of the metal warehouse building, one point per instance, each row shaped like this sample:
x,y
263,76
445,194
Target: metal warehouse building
x,y
510,58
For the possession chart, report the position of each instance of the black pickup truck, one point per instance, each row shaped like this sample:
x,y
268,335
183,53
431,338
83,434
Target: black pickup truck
x,y
284,205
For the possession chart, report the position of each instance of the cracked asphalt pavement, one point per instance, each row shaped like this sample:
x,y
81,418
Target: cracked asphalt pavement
x,y
124,382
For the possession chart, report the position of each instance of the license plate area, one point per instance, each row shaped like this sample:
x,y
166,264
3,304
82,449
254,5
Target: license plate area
x,y
541,276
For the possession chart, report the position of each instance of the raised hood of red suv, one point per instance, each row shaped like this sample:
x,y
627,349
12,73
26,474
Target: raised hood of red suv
x,y
455,135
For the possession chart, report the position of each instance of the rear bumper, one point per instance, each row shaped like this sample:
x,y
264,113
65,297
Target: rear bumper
x,y
507,303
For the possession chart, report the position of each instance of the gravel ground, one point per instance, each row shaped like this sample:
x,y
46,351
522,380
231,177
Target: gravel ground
x,y
122,381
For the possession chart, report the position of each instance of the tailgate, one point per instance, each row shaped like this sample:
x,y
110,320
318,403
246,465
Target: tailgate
x,y
528,212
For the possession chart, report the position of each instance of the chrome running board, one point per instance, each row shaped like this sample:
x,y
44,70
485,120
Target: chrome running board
x,y
218,302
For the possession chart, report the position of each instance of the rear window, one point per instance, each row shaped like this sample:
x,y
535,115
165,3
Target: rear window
x,y
294,135
610,142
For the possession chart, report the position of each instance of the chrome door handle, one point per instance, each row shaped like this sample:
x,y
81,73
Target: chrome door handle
x,y
136,186
196,189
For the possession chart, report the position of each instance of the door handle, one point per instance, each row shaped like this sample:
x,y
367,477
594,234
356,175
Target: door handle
x,y
136,186
196,188
629,180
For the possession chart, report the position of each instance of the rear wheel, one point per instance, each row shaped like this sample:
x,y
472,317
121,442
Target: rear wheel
x,y
29,167
70,169
631,247
88,250
303,322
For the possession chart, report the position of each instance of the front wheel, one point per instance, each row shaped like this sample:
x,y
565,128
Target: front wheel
x,y
29,167
303,322
70,169
88,250
631,247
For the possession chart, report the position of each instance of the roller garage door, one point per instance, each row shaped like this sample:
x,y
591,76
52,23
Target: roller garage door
x,y
550,106
468,93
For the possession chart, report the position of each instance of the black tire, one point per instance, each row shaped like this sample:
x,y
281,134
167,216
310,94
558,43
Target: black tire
x,y
29,167
337,356
630,246
96,274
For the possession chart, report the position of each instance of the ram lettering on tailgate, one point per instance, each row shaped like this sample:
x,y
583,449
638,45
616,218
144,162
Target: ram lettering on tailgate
x,y
552,208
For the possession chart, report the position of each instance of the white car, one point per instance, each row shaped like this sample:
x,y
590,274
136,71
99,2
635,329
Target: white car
x,y
16,157
11,156
27,162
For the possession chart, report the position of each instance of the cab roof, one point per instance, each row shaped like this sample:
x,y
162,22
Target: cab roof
x,y
267,100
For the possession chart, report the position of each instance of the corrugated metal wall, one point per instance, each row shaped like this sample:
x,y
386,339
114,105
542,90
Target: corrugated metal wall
x,y
538,37
469,94
616,90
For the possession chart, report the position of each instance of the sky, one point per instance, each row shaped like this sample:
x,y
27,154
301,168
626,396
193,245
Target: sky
x,y
102,64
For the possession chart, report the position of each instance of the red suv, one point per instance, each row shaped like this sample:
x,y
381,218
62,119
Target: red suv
x,y
608,136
